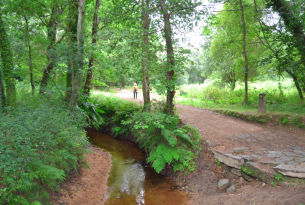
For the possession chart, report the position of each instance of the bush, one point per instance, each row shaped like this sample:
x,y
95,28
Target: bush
x,y
162,136
38,147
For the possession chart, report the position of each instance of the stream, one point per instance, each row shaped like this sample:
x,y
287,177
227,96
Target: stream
x,y
130,181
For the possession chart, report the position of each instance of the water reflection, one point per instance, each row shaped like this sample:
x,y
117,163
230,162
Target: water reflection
x,y
131,183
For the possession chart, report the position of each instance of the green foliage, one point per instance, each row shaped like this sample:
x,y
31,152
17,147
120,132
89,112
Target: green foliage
x,y
244,169
161,135
40,143
278,177
211,95
217,162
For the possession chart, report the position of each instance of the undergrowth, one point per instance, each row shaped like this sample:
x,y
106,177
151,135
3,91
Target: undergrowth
x,y
162,136
40,142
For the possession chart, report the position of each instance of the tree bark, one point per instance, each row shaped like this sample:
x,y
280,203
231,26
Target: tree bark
x,y
77,71
2,92
296,83
72,50
7,65
30,53
170,59
145,83
245,51
87,86
52,26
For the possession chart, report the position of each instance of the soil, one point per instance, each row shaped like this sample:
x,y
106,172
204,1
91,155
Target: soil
x,y
88,186
201,185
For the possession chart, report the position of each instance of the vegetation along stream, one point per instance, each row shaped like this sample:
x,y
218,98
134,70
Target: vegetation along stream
x,y
130,181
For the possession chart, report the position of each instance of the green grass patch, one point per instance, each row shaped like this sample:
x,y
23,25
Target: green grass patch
x,y
212,96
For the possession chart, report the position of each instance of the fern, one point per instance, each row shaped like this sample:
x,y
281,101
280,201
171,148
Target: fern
x,y
168,135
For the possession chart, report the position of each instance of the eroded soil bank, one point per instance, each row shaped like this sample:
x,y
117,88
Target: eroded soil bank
x,y
88,186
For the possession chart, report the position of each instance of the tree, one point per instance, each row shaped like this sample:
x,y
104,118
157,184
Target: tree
x,y
7,66
145,82
95,24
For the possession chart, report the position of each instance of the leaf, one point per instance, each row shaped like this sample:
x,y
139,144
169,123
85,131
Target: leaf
x,y
168,135
159,164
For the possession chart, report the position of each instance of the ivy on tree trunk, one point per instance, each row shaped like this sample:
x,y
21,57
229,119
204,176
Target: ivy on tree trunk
x,y
87,86
170,58
7,66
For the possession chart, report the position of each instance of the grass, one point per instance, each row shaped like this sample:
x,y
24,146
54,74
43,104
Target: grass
x,y
211,96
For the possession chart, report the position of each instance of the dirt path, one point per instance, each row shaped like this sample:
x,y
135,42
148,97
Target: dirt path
x,y
261,141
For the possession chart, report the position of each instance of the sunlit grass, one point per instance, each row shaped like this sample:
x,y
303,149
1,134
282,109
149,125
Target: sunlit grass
x,y
208,95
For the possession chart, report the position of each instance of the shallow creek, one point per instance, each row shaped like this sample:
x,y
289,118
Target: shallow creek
x,y
131,182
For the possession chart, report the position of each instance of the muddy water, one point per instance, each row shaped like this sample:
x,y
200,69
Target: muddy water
x,y
129,181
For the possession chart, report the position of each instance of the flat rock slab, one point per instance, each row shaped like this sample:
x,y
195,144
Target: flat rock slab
x,y
289,170
291,154
274,154
229,159
302,153
284,159
247,158
223,184
273,163
242,136
253,169
230,137
301,159
240,149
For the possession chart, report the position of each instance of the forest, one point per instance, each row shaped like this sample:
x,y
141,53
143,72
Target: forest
x,y
57,55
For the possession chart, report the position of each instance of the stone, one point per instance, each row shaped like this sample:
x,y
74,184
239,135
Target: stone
x,y
284,159
247,158
290,154
300,152
257,135
262,103
301,159
256,157
253,169
240,149
289,170
62,203
229,159
230,137
246,177
273,163
231,189
274,154
223,184
243,136
293,163
211,143
236,172
298,148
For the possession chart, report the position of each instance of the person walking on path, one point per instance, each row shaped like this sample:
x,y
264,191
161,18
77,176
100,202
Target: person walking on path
x,y
135,91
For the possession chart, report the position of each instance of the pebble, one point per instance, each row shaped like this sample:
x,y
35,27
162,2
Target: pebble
x,y
223,184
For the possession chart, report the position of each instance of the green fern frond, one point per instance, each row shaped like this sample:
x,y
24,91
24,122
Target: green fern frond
x,y
168,135
159,164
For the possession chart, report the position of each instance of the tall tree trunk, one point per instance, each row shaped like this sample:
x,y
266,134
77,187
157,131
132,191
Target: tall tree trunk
x,y
52,26
7,65
170,59
145,83
30,53
2,92
87,86
72,50
245,50
77,71
296,83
